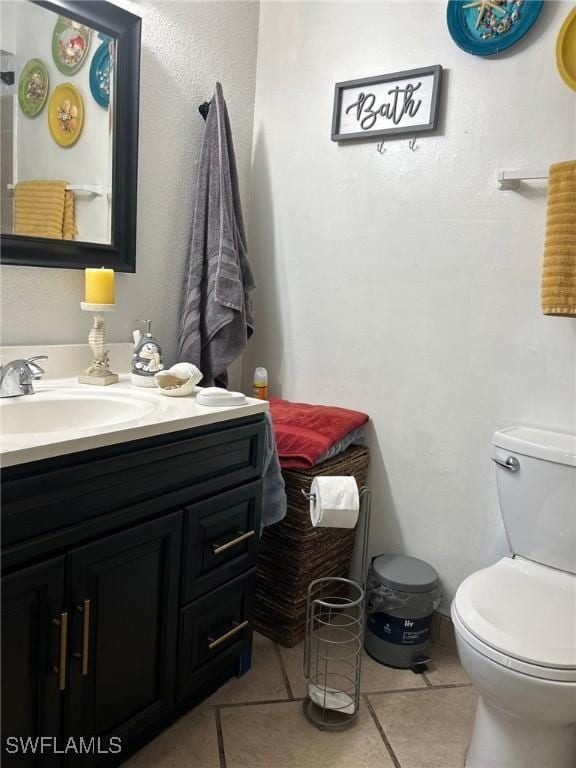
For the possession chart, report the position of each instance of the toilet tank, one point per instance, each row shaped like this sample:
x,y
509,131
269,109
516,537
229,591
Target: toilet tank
x,y
538,500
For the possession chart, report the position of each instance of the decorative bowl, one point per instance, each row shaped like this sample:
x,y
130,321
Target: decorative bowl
x,y
178,381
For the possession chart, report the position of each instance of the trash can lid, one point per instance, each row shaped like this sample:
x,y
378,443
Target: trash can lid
x,y
407,574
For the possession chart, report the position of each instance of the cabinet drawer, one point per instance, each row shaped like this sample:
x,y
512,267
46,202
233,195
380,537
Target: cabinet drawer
x,y
221,538
214,629
72,490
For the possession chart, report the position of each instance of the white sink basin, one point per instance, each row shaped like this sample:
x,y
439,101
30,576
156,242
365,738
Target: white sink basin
x,y
46,412
63,417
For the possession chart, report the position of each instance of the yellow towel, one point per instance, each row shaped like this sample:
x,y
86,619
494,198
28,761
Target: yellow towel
x,y
69,223
43,208
559,267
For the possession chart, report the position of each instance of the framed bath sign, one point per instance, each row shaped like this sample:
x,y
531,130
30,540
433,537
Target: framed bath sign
x,y
401,102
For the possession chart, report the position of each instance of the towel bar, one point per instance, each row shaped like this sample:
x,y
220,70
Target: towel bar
x,y
93,189
512,179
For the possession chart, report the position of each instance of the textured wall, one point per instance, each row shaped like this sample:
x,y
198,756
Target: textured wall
x,y
186,47
405,284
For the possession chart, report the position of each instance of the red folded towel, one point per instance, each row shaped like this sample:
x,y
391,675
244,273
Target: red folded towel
x,y
305,432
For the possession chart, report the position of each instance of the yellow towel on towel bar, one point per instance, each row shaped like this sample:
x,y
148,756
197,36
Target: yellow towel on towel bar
x,y
69,223
559,266
44,208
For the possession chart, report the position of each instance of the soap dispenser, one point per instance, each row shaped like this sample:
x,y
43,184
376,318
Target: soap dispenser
x,y
147,357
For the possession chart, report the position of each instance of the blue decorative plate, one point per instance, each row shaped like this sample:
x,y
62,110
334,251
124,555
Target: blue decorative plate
x,y
486,27
100,75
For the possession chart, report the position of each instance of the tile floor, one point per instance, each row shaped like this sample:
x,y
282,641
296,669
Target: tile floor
x,y
406,720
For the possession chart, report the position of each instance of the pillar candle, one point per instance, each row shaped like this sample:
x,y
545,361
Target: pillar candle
x,y
99,286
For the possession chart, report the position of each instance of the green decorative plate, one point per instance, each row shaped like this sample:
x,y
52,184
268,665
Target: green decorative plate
x,y
33,87
70,45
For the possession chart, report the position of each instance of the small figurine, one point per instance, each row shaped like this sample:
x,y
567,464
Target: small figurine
x,y
146,359
99,371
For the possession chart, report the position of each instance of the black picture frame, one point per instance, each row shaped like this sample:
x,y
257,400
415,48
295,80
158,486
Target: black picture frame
x,y
406,74
120,255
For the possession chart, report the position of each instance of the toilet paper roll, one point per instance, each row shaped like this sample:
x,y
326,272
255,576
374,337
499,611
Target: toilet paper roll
x,y
335,502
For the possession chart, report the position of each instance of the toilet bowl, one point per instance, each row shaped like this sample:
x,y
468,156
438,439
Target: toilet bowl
x,y
515,621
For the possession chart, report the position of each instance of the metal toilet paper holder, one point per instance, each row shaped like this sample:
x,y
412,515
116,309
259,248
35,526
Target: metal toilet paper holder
x,y
335,610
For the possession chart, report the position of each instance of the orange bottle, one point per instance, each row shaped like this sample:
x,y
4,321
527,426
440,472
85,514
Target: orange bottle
x,y
260,384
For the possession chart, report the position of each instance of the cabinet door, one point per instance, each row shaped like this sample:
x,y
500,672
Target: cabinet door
x,y
124,593
34,641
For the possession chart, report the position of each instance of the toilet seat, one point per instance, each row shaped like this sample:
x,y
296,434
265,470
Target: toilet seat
x,y
521,615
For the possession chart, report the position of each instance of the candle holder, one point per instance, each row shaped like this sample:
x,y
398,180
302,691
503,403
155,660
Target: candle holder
x,y
98,373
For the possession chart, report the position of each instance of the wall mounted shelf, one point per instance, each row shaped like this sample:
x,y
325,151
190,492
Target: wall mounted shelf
x,y
512,179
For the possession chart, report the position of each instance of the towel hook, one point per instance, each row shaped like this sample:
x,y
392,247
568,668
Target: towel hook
x,y
204,109
412,144
380,147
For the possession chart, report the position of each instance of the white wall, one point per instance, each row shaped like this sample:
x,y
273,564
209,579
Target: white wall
x,y
186,48
405,284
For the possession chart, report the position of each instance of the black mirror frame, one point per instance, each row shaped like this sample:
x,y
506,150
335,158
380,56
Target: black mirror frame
x,y
121,253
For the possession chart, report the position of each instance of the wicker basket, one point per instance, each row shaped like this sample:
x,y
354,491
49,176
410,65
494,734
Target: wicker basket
x,y
293,553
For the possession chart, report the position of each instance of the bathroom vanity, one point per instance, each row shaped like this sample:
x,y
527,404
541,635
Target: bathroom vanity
x,y
127,573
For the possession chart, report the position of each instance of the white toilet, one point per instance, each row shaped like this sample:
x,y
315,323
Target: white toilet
x,y
515,621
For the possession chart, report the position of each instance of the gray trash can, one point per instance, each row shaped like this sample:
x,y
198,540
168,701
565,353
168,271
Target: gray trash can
x,y
402,595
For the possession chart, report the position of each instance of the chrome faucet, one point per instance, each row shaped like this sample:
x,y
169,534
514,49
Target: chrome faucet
x,y
16,377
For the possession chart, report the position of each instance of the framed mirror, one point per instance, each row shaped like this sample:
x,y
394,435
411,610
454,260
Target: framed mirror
x,y
69,101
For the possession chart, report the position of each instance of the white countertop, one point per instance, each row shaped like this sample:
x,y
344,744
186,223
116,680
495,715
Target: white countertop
x,y
160,415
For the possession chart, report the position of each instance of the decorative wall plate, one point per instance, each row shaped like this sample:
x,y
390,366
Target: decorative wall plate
x,y
70,45
33,87
566,50
100,75
486,27
66,114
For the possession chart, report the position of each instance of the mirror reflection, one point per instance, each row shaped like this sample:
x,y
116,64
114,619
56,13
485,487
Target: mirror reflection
x,y
57,125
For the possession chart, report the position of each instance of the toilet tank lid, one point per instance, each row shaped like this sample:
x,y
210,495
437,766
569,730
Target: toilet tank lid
x,y
559,447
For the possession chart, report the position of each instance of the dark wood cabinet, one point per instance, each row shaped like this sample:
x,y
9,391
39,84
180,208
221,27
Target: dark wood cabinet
x,y
34,646
123,593
122,608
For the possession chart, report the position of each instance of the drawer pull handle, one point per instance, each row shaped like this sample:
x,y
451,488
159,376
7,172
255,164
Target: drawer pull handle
x,y
217,549
238,628
85,636
84,609
62,622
